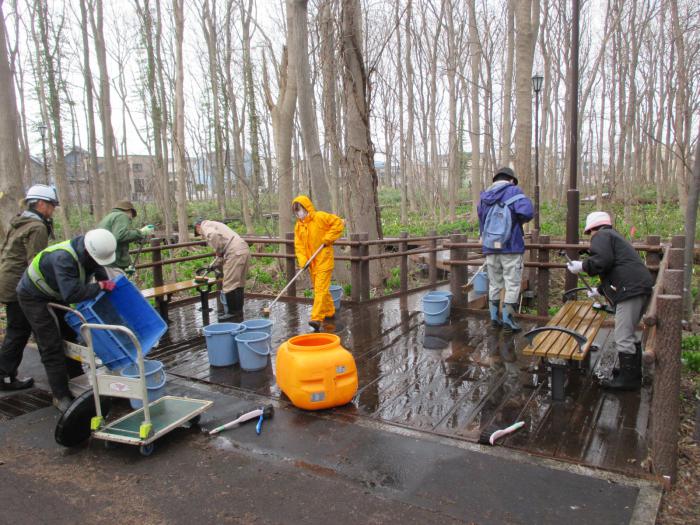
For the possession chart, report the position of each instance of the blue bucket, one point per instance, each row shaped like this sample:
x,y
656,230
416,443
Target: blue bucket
x,y
221,343
441,293
337,294
258,325
253,349
436,309
155,379
481,283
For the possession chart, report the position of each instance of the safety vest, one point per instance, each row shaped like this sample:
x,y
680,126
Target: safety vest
x,y
34,271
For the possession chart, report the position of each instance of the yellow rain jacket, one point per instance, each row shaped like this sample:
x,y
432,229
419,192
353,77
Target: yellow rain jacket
x,y
319,227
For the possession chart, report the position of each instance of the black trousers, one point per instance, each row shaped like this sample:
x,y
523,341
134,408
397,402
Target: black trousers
x,y
49,338
16,336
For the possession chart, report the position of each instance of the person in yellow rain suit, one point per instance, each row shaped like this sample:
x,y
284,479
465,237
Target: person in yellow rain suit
x,y
314,228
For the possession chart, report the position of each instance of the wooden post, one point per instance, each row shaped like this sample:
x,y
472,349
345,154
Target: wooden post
x,y
458,273
678,241
675,258
156,257
289,266
432,259
364,266
403,246
653,258
355,272
532,256
665,403
673,282
543,279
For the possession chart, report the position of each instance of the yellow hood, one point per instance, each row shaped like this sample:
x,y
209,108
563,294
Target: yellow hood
x,y
306,203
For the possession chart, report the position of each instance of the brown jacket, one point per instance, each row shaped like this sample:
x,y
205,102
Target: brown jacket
x,y
231,251
27,236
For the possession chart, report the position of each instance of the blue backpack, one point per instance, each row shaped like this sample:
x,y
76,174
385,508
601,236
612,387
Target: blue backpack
x,y
499,224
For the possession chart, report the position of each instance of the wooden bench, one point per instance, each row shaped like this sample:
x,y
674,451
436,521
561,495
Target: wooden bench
x,y
566,340
163,294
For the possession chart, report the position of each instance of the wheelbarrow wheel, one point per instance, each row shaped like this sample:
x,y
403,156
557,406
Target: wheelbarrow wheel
x,y
147,450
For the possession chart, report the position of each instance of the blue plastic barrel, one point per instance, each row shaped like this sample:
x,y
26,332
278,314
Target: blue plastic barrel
x,y
221,343
253,350
258,325
481,283
337,294
155,379
436,309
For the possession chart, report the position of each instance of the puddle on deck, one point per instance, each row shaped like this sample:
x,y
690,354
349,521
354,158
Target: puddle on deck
x,y
464,380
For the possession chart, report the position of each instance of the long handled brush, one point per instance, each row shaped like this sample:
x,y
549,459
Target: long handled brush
x,y
266,310
261,413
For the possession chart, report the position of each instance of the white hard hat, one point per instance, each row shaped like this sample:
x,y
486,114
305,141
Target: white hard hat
x,y
42,192
595,219
101,245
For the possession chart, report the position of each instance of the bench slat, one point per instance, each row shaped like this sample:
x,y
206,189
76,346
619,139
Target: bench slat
x,y
574,315
168,289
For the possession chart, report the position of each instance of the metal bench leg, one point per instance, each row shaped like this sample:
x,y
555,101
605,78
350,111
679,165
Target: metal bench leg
x,y
163,308
204,297
558,381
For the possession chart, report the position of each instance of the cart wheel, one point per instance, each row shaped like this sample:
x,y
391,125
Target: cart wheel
x,y
195,420
147,450
109,445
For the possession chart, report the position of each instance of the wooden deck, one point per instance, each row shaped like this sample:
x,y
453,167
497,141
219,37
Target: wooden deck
x,y
463,381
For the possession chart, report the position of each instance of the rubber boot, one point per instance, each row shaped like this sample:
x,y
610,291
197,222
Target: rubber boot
x,y
509,324
62,403
637,355
493,310
315,325
630,375
235,300
13,383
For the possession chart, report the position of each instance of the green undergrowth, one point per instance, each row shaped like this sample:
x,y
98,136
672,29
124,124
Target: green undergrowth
x,y
690,352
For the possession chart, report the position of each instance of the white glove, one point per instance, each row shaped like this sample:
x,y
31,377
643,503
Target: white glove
x,y
148,229
593,294
574,267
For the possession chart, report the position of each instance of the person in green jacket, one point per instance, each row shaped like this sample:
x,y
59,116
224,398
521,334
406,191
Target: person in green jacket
x,y
118,221
28,234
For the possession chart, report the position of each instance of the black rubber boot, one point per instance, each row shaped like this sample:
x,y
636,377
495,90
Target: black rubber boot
x,y
637,355
316,325
63,402
509,324
234,306
493,311
629,376
13,383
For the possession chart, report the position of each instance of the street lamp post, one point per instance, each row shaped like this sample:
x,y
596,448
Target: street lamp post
x,y
537,87
42,130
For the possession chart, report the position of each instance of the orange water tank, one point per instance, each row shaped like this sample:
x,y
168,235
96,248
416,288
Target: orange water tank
x,y
315,371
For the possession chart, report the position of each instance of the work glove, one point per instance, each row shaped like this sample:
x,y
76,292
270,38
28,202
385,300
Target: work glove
x,y
327,242
574,267
593,294
147,230
107,286
130,271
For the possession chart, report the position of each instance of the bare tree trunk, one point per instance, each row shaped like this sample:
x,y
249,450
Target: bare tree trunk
x,y
682,113
506,123
365,216
55,108
98,193
210,32
409,171
307,115
10,173
110,167
527,14
454,175
246,15
179,138
282,112
330,108
475,134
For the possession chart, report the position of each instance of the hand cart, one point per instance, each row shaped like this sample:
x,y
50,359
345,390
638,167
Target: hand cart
x,y
74,351
144,425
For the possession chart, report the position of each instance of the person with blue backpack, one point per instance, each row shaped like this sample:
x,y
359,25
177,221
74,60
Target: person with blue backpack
x,y
503,209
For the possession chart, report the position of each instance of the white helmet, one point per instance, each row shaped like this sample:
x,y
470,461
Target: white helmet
x,y
595,219
41,192
101,245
